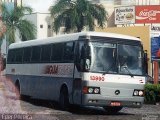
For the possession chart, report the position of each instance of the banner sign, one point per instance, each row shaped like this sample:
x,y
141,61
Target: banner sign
x,y
155,48
147,14
155,30
125,15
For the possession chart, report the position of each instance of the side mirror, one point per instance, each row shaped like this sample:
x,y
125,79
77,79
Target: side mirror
x,y
149,79
145,62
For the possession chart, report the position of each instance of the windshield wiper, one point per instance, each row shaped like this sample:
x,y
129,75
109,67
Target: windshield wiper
x,y
126,67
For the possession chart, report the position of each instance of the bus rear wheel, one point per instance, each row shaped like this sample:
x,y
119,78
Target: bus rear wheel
x,y
64,99
112,110
18,93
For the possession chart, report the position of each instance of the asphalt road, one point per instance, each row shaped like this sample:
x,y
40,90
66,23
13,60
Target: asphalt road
x,y
11,108
48,109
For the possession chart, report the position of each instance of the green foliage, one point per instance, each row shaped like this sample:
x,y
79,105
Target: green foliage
x,y
14,21
152,93
74,15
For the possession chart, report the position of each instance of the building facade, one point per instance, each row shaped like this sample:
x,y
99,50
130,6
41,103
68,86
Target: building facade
x,y
43,23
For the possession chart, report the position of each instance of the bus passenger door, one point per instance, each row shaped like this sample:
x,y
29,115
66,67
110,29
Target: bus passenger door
x,y
77,82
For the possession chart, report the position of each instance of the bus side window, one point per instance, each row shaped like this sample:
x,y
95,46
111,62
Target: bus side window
x,y
46,53
11,56
19,55
27,55
36,50
57,52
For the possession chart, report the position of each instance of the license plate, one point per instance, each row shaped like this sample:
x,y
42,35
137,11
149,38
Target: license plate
x,y
115,104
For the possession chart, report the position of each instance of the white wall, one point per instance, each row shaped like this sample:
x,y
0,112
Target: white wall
x,y
42,22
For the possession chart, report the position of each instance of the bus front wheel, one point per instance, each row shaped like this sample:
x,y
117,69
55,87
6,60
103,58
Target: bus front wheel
x,y
112,110
64,100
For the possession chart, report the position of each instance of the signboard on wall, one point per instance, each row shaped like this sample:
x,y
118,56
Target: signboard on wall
x,y
155,30
125,15
155,48
147,14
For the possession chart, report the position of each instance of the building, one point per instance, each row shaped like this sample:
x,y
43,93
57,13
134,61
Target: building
x,y
146,30
43,22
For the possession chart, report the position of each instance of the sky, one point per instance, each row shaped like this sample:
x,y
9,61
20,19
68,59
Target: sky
x,y
43,5
39,5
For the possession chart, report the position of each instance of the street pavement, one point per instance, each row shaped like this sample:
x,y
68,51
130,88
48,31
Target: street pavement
x,y
11,108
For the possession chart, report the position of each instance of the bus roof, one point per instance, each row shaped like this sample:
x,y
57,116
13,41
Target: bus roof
x,y
68,37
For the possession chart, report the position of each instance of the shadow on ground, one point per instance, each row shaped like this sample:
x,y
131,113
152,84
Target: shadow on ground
x,y
76,110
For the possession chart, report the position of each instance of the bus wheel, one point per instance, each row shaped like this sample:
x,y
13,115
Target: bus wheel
x,y
17,85
112,110
64,100
19,95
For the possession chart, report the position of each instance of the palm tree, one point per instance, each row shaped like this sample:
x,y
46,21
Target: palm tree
x,y
76,14
14,21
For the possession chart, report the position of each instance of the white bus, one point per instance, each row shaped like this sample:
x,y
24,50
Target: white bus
x,y
86,69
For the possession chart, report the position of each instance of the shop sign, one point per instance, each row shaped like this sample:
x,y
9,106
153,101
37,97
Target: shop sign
x,y
147,14
155,30
125,15
155,48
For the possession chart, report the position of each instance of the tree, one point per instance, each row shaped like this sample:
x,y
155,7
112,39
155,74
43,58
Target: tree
x,y
14,21
76,14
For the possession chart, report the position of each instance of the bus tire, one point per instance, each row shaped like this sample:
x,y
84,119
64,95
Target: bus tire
x,y
18,93
112,110
64,99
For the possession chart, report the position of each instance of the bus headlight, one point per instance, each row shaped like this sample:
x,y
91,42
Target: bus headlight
x,y
96,90
91,90
135,93
141,93
138,93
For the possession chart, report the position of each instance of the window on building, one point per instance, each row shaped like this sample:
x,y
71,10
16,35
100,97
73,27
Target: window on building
x,y
41,26
49,26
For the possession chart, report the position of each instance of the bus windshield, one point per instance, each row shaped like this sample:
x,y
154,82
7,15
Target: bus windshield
x,y
115,58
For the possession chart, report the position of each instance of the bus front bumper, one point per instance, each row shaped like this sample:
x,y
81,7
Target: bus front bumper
x,y
91,100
